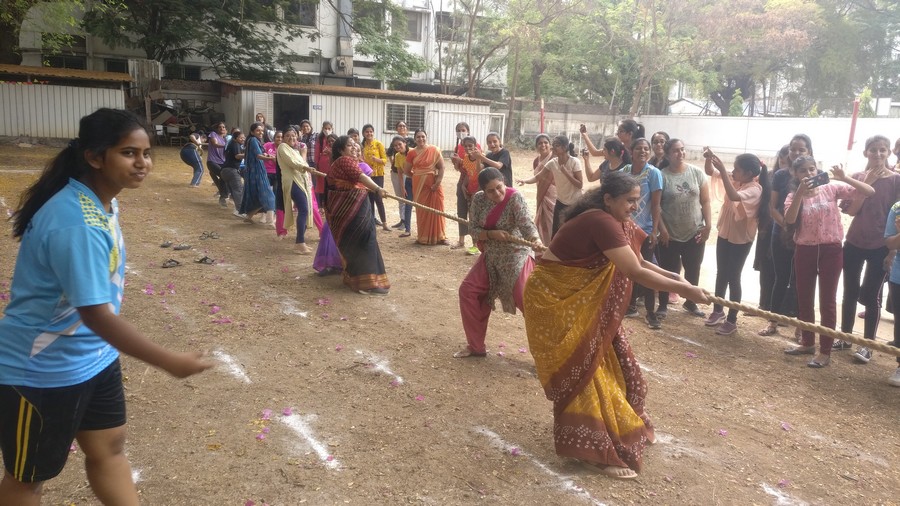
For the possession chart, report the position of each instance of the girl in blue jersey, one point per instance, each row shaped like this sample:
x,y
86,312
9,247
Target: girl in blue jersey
x,y
61,334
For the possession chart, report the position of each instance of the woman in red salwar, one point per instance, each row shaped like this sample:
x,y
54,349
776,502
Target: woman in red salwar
x,y
497,215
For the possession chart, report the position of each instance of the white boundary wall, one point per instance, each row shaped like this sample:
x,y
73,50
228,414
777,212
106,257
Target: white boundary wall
x,y
50,111
765,136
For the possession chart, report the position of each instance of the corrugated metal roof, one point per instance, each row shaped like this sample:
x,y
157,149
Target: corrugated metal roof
x,y
356,92
86,75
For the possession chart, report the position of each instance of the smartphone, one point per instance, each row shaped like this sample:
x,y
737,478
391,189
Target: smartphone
x,y
584,151
707,152
818,180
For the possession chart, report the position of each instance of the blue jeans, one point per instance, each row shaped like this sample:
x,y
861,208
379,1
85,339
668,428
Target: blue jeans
x,y
407,210
190,156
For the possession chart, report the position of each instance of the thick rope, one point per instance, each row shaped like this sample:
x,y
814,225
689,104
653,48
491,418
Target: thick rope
x,y
516,240
812,327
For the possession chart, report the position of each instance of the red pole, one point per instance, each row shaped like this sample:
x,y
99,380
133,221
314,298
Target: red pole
x,y
853,124
542,115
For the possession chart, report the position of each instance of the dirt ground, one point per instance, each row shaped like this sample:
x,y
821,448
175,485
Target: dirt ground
x,y
324,396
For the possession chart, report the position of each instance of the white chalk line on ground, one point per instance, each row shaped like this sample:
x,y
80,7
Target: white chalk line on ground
x,y
685,340
380,365
301,427
675,447
288,305
231,366
782,499
565,482
655,373
136,474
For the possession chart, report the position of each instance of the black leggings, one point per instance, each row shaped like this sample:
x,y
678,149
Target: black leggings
x,y
640,290
462,208
730,260
376,200
558,209
673,257
868,293
784,291
762,262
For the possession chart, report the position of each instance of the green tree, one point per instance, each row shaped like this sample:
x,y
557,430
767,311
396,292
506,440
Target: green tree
x,y
866,110
57,19
237,37
736,106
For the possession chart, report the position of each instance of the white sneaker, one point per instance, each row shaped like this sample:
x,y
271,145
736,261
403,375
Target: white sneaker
x,y
895,378
239,215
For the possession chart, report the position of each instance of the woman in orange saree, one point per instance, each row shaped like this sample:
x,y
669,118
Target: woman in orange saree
x,y
426,167
575,300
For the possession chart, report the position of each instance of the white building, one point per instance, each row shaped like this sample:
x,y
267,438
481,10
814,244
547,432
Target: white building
x,y
327,58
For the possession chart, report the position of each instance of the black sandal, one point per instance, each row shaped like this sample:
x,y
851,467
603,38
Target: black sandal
x,y
182,247
205,260
171,263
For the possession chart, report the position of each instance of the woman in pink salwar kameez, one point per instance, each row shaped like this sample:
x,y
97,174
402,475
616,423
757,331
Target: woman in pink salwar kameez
x,y
497,215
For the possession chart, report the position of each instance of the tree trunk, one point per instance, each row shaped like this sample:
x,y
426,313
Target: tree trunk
x,y
470,70
9,45
512,93
537,70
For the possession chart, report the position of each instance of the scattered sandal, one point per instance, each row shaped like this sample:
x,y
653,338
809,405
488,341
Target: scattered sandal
x,y
182,247
467,353
619,473
405,234
770,330
170,263
819,362
205,260
208,235
166,244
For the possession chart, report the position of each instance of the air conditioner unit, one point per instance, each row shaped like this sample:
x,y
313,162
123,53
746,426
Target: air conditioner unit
x,y
341,65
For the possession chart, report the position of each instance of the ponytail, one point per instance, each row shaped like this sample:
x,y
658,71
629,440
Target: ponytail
x,y
97,132
753,165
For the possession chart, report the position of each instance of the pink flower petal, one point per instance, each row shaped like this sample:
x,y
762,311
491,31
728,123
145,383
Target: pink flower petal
x,y
266,414
73,448
783,483
260,436
249,503
515,452
501,345
343,318
329,458
420,398
285,269
690,355
786,426
338,348
214,309
722,432
287,411
324,316
222,320
395,383
265,430
324,301
500,354
523,350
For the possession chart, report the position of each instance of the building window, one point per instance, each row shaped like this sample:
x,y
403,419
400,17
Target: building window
x,y
410,27
185,72
116,65
370,10
65,61
412,115
445,27
301,12
64,51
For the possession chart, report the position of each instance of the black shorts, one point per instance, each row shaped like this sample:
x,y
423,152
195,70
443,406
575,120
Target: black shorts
x,y
38,425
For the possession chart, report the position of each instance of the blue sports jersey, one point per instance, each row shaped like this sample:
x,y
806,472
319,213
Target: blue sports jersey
x,y
72,255
651,180
890,229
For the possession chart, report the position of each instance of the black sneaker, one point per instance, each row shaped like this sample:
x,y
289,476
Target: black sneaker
x,y
653,322
841,345
863,355
693,310
399,224
661,313
632,312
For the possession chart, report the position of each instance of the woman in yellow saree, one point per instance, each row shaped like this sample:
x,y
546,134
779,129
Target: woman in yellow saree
x,y
426,167
574,304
